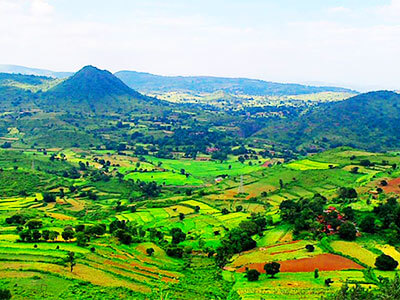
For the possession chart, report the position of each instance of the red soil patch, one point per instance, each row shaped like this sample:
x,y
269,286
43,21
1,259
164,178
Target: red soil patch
x,y
268,163
323,262
393,186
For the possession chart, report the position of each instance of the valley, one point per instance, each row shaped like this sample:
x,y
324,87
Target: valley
x,y
107,193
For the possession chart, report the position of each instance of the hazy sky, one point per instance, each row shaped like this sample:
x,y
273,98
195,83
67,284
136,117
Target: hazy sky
x,y
348,42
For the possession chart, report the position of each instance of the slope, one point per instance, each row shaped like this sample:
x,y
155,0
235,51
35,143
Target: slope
x,y
370,121
146,82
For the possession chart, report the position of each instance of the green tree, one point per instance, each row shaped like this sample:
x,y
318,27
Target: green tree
x,y
68,234
5,294
177,235
386,263
367,224
34,224
272,268
81,239
348,231
252,275
71,260
149,251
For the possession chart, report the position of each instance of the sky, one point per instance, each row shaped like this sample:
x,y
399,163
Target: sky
x,y
352,43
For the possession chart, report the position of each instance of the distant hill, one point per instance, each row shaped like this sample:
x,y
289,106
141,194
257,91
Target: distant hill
x,y
145,82
93,89
16,90
13,69
368,121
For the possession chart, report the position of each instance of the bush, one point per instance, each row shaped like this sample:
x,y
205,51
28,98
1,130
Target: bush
x,y
252,275
5,294
272,268
48,198
368,224
174,251
348,231
386,263
310,248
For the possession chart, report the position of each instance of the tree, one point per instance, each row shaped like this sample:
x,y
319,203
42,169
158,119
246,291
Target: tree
x,y
6,145
310,248
349,213
181,216
348,231
68,233
177,235
272,268
281,183
252,275
328,282
34,224
225,211
5,294
123,236
46,235
219,155
53,235
347,193
71,260
174,251
149,251
81,239
386,263
36,235
239,208
368,224
25,235
354,170
48,198
316,273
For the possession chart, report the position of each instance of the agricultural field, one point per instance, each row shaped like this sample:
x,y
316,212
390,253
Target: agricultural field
x,y
142,225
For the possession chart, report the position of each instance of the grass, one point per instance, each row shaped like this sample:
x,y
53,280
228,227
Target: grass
x,y
165,178
307,164
355,250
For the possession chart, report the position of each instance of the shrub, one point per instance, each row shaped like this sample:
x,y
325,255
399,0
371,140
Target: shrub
x,y
252,275
386,263
348,231
5,294
272,268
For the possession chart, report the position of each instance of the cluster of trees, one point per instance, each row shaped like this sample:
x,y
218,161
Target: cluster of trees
x,y
240,239
388,213
303,213
309,215
346,193
29,232
271,269
128,233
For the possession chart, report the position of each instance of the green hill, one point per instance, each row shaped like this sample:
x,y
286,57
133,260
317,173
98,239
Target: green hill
x,y
146,82
369,121
91,89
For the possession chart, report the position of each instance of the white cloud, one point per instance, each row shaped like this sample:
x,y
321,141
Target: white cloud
x,y
33,33
41,8
391,10
339,10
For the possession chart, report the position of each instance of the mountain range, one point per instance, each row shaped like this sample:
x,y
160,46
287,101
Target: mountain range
x,y
13,69
370,121
150,83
